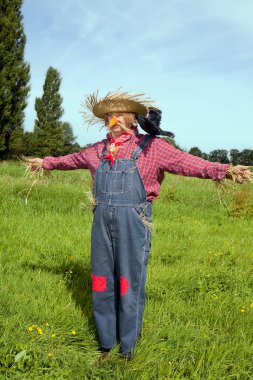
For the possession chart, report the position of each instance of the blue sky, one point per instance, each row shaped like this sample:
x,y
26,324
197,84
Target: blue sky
x,y
194,57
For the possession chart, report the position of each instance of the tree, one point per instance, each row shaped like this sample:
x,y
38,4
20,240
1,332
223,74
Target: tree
x,y
69,140
219,155
48,127
30,143
204,156
195,151
234,156
14,72
17,145
246,157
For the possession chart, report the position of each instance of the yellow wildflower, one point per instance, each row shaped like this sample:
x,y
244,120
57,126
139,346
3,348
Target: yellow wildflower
x,y
71,258
242,310
53,335
73,332
47,324
39,330
50,354
30,328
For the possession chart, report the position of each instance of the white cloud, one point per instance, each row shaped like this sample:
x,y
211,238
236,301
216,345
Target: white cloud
x,y
174,35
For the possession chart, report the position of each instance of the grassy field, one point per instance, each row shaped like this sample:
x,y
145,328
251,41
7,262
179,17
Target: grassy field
x,y
199,314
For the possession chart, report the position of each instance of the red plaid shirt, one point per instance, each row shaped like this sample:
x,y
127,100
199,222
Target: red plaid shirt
x,y
157,157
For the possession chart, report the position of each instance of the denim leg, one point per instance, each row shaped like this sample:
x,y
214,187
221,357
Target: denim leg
x,y
103,278
132,245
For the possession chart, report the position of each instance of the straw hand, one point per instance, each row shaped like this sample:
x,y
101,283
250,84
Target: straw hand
x,y
239,174
34,164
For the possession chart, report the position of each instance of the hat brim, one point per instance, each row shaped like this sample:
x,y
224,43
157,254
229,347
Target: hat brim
x,y
101,109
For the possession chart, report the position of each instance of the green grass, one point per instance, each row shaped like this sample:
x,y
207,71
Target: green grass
x,y
198,318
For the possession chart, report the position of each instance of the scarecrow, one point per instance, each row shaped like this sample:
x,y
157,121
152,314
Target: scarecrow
x,y
128,169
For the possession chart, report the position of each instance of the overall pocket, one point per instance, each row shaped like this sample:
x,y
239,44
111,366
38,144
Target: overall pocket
x,y
113,181
144,217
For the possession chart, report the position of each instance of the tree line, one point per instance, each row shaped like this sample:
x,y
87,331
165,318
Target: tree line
x,y
234,156
50,136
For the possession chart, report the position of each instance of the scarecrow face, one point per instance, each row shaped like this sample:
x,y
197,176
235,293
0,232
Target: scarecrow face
x,y
116,123
118,115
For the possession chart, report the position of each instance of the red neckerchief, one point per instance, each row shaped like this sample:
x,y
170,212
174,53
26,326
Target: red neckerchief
x,y
114,146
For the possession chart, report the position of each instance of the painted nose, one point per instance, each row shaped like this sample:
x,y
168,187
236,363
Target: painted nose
x,y
113,121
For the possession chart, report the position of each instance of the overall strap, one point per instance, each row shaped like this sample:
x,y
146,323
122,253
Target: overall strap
x,y
138,150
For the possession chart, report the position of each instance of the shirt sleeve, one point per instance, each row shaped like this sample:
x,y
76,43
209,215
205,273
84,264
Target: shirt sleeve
x,y
68,162
175,161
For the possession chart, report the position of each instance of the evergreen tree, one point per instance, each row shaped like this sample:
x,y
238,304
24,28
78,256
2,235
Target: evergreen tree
x,y
17,145
30,143
14,72
48,127
69,140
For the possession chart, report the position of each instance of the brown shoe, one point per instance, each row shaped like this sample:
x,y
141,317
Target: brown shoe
x,y
104,354
102,357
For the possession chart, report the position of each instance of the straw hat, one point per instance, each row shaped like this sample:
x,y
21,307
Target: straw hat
x,y
96,109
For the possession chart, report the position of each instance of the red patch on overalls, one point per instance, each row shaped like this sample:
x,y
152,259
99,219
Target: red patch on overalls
x,y
98,283
123,285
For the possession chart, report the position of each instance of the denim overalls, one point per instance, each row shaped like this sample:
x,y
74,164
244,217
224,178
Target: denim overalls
x,y
119,251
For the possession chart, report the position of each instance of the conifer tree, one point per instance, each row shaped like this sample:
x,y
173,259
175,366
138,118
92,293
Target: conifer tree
x,y
14,72
69,140
30,143
48,127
